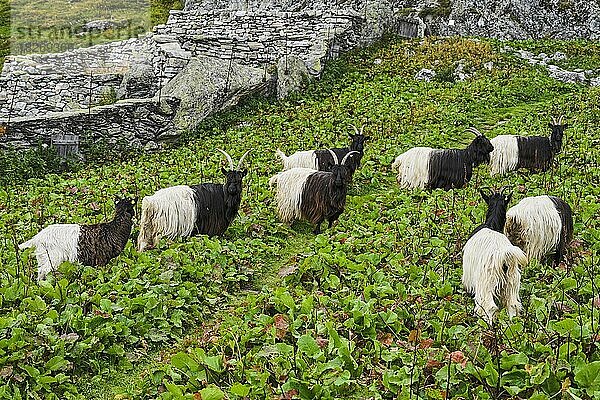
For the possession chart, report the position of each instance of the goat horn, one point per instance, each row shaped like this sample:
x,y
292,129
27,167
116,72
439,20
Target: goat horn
x,y
504,188
474,131
485,188
348,155
554,122
231,167
560,120
242,159
335,159
356,129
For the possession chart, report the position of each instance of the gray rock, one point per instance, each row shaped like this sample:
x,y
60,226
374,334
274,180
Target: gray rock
x,y
425,75
566,76
100,25
292,75
207,85
139,82
151,146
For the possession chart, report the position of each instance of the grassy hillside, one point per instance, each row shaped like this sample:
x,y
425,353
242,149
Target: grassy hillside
x,y
42,26
372,308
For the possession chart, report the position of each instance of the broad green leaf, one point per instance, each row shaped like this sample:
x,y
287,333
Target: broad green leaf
x,y
509,361
212,393
308,345
239,389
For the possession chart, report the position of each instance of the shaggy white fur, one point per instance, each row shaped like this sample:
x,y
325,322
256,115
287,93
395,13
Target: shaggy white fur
x,y
53,245
413,167
505,156
170,213
534,225
290,184
484,256
300,159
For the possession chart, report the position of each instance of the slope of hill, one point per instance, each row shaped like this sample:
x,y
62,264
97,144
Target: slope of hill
x,y
371,308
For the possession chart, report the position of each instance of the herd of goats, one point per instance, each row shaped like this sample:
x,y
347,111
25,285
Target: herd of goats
x,y
313,187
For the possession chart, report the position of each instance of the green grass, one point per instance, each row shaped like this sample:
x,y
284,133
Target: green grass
x,y
42,26
371,308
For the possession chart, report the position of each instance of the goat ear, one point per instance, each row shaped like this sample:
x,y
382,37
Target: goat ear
x,y
224,171
550,125
484,196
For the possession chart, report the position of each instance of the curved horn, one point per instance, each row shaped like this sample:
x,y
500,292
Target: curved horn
x,y
356,129
474,131
242,159
560,120
504,188
482,189
231,167
348,155
335,159
554,122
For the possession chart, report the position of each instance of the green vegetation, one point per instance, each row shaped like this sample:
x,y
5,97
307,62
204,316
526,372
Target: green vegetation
x,y
159,10
42,26
4,30
580,53
372,308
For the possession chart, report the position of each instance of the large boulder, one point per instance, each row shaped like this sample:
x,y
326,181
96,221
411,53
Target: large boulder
x,y
515,19
292,75
208,85
139,82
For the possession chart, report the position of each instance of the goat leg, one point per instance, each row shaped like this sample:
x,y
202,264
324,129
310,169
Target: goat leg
x,y
333,218
318,227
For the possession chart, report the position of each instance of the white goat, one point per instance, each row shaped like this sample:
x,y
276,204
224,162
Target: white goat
x,y
540,225
491,264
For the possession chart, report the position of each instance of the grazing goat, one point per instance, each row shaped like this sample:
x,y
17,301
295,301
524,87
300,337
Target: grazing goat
x,y
93,245
322,160
316,196
540,225
491,264
534,153
182,211
424,167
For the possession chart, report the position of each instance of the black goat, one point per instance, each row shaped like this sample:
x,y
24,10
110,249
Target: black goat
x,y
322,160
182,211
93,245
316,196
424,167
534,153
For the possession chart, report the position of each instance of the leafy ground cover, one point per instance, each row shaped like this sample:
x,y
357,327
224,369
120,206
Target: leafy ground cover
x,y
372,308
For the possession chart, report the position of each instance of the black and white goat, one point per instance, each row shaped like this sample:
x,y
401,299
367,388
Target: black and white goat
x,y
182,211
316,196
427,168
93,245
534,153
491,264
540,225
322,160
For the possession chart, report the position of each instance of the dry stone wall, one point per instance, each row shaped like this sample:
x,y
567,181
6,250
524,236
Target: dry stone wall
x,y
258,38
139,122
44,95
36,84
